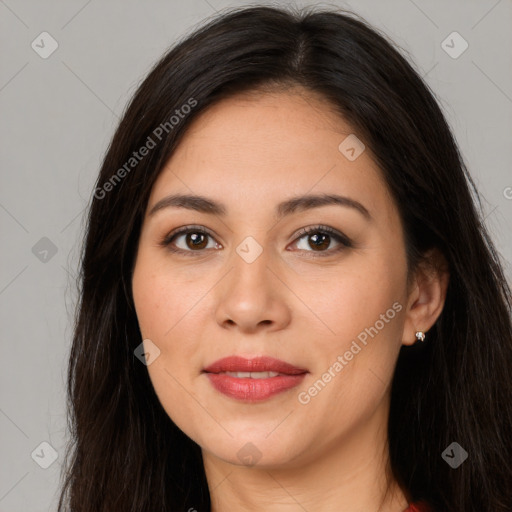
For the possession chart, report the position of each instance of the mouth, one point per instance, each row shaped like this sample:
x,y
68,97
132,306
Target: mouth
x,y
253,380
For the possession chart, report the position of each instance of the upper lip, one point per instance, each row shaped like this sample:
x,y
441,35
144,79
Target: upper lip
x,y
256,364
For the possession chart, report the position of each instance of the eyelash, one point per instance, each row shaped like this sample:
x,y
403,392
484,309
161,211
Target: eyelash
x,y
344,241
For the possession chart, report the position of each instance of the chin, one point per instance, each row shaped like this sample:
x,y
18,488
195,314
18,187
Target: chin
x,y
253,448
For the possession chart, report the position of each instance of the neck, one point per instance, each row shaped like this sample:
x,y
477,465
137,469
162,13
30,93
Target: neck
x,y
349,474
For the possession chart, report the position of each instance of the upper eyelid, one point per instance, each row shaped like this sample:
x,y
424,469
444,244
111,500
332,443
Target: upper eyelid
x,y
185,229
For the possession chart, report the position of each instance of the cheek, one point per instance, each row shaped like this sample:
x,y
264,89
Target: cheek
x,y
167,310
361,295
164,297
364,306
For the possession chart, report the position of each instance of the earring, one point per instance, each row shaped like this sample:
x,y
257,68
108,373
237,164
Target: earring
x,y
420,336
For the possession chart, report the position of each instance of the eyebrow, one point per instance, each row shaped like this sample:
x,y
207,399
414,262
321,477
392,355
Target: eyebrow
x,y
290,206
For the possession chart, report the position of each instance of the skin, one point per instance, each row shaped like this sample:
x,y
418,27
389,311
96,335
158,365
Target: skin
x,y
251,152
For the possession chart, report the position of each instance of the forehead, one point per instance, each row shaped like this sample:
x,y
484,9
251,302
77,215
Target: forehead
x,y
258,148
269,123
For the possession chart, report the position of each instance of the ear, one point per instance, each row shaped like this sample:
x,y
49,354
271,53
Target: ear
x,y
427,295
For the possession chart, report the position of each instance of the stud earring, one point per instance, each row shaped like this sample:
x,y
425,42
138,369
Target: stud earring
x,y
420,336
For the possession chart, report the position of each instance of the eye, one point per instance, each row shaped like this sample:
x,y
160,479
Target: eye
x,y
319,238
195,239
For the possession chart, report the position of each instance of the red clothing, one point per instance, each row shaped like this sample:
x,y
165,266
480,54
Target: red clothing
x,y
418,507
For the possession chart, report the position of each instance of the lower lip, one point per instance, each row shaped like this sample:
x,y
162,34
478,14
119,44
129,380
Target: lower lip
x,y
253,390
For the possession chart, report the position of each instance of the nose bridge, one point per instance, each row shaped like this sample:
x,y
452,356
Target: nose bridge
x,y
250,295
250,274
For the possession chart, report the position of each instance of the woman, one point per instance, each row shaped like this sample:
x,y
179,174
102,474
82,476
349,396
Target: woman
x,y
288,299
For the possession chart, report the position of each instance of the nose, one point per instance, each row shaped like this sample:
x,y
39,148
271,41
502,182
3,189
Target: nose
x,y
252,298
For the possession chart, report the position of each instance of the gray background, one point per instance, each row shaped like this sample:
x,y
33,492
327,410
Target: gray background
x,y
58,114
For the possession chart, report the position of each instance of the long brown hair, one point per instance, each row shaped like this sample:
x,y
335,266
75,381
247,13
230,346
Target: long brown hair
x,y
125,453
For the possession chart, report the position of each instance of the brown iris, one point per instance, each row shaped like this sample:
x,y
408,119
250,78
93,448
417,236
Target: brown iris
x,y
324,241
199,240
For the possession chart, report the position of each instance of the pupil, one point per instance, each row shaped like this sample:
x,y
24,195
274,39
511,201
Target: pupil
x,y
196,237
317,237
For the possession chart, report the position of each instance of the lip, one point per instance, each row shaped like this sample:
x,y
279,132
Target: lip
x,y
249,389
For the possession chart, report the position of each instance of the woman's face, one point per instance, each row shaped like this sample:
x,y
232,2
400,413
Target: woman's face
x,y
329,307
